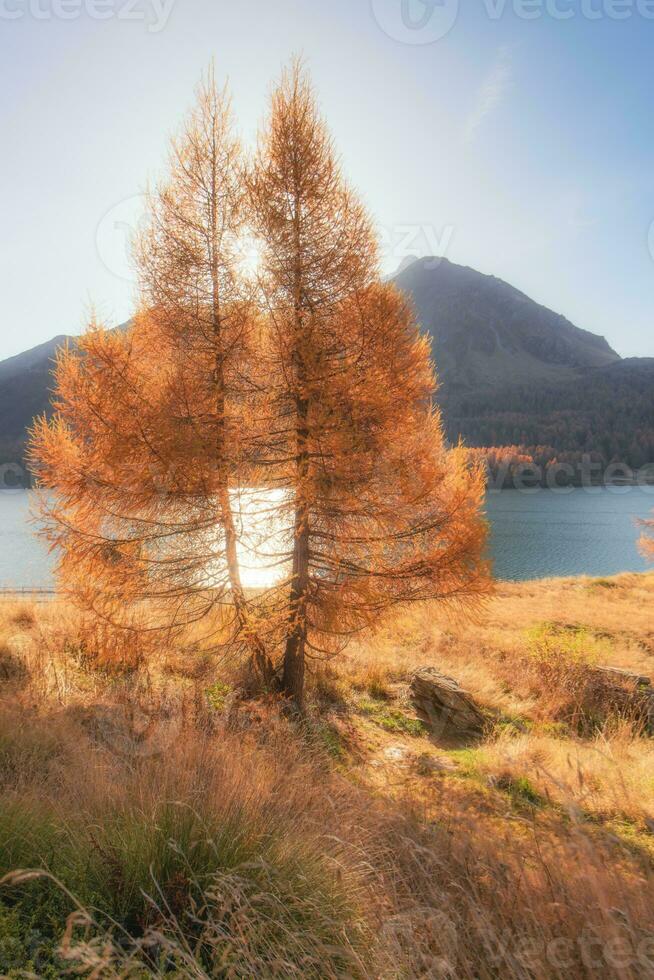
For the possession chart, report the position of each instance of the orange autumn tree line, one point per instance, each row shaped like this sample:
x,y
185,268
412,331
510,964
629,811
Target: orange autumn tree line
x,y
647,540
301,396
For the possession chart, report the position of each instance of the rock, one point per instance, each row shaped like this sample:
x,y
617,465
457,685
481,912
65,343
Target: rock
x,y
446,709
426,764
629,694
620,674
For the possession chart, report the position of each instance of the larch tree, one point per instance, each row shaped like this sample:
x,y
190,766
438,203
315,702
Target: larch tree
x,y
376,510
148,448
313,391
190,277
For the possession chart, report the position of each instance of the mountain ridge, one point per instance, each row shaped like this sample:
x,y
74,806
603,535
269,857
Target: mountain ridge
x,y
487,332
32,358
511,372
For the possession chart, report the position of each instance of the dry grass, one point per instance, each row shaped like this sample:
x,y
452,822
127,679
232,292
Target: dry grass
x,y
529,662
564,623
608,777
199,835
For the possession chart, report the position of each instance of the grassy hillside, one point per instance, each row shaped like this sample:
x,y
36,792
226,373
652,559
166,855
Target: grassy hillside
x,y
188,831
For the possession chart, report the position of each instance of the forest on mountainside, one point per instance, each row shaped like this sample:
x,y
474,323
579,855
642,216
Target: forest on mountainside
x,y
606,416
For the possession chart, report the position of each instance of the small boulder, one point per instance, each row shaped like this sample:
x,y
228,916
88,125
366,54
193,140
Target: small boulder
x,y
448,711
620,674
629,694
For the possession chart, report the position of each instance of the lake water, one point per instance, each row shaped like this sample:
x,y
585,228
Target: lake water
x,y
24,559
534,535
586,531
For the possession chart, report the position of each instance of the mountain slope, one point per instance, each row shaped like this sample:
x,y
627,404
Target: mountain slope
x,y
32,360
511,372
485,332
25,383
609,411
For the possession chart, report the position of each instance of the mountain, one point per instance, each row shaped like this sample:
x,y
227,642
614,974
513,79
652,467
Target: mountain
x,y
511,373
607,412
32,360
487,333
25,382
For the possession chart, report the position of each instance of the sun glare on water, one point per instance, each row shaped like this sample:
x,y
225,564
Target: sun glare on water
x,y
263,540
249,255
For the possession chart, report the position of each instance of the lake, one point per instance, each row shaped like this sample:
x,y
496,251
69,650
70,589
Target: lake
x,y
534,534
585,531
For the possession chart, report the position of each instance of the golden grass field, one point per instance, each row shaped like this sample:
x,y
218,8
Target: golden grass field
x,y
186,831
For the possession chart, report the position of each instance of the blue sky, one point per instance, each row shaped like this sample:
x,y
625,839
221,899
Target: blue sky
x,y
514,136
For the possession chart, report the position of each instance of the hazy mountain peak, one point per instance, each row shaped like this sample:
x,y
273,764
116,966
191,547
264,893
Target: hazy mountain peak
x,y
486,332
33,358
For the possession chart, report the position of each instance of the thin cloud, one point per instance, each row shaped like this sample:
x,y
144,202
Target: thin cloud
x,y
490,94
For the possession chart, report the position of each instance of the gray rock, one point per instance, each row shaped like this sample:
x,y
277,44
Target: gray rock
x,y
631,693
599,693
620,674
448,711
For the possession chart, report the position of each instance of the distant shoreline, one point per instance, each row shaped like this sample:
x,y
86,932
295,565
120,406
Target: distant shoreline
x,y
53,594
603,485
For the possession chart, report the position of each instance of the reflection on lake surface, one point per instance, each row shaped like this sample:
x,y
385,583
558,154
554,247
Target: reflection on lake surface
x,y
26,563
586,531
533,535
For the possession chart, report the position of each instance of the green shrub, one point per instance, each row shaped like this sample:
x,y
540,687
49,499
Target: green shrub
x,y
217,695
561,646
392,719
521,791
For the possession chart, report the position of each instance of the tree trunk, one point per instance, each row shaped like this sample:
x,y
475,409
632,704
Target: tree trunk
x,y
293,676
294,652
259,657
260,660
